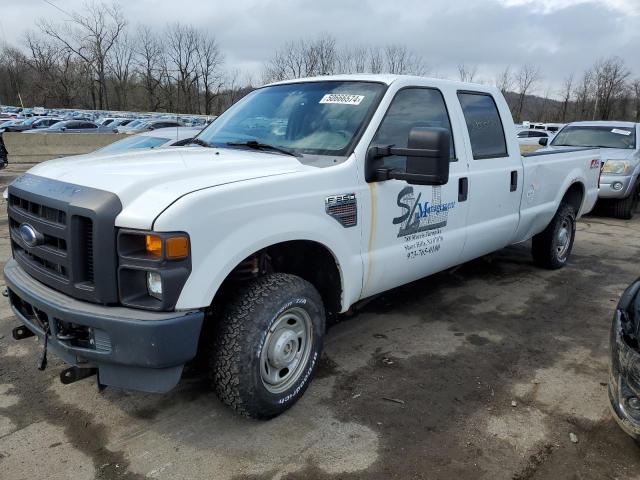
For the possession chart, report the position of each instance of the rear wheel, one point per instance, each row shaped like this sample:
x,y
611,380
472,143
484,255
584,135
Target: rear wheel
x,y
267,345
551,247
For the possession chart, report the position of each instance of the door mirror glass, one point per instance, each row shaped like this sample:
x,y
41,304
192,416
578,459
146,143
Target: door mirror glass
x,y
543,141
434,144
427,154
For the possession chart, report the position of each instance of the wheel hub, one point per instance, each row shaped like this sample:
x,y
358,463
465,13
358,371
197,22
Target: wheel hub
x,y
283,348
563,239
286,350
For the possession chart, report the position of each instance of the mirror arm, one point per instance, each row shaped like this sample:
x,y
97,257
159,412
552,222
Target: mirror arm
x,y
390,150
388,174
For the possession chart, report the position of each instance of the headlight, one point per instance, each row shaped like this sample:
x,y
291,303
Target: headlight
x,y
153,267
616,167
154,285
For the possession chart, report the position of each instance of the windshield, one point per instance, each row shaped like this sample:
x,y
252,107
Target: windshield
x,y
134,142
322,118
596,136
135,123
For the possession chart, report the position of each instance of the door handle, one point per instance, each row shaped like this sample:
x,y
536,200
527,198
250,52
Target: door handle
x,y
463,189
514,181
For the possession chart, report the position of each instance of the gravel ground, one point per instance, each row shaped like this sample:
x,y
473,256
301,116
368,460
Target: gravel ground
x,y
480,372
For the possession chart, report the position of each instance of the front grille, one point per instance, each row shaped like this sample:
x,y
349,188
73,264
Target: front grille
x,y
41,211
51,255
67,219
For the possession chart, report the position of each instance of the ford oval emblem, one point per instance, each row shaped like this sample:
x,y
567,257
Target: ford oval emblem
x,y
29,235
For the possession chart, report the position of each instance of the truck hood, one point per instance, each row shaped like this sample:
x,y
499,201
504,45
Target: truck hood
x,y
148,181
606,153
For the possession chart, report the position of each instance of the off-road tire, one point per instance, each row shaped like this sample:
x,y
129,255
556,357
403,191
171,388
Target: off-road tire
x,y
544,246
240,335
625,207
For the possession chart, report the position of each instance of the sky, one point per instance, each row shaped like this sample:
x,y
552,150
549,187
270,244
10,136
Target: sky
x,y
561,36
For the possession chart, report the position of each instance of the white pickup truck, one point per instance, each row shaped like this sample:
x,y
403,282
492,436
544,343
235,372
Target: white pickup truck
x,y
300,200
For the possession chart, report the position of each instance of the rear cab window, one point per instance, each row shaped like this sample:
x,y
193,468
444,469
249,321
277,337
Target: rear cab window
x,y
486,132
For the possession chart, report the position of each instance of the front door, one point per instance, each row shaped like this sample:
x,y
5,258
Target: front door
x,y
414,230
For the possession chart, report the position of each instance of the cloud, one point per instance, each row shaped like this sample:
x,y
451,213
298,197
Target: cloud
x,y
630,7
561,36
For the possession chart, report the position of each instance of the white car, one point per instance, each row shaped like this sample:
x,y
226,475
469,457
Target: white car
x,y
299,201
620,150
532,137
162,137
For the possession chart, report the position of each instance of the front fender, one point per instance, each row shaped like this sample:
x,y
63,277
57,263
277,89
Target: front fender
x,y
225,228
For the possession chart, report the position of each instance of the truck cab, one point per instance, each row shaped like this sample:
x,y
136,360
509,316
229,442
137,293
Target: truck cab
x,y
298,202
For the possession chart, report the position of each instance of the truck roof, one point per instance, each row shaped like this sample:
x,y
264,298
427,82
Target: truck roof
x,y
605,123
387,79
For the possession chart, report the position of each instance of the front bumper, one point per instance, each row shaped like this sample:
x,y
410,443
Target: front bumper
x,y
132,349
624,368
607,190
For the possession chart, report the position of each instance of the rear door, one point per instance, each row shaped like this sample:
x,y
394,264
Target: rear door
x,y
495,175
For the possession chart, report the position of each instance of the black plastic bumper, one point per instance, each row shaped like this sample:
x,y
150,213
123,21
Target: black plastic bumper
x,y
133,349
624,370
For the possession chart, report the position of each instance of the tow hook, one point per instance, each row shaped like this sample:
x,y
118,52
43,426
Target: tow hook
x,y
73,374
21,332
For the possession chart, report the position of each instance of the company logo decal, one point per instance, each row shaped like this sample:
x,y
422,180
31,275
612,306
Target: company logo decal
x,y
420,216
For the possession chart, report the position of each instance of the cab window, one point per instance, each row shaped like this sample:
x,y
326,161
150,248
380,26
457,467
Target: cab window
x,y
486,132
412,107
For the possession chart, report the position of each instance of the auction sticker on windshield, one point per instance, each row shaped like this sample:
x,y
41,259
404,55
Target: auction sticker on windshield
x,y
621,132
342,99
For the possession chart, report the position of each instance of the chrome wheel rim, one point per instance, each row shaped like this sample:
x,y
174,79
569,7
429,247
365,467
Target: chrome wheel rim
x,y
286,350
563,238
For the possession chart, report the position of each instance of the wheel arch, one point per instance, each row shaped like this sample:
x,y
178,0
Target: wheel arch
x,y
574,196
308,259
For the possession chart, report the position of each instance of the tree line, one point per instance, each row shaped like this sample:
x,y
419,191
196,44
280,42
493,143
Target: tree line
x,y
95,59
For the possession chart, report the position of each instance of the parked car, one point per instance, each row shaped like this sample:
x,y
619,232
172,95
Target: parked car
x,y
9,123
313,195
32,123
148,125
73,126
163,137
131,125
624,371
618,141
532,137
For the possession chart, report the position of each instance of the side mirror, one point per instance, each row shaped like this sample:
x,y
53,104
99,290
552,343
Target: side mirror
x,y
543,141
427,155
63,128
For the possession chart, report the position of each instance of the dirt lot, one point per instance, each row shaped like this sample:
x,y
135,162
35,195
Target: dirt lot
x,y
477,373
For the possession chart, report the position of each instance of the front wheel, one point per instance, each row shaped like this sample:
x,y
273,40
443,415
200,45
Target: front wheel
x,y
267,345
625,207
551,247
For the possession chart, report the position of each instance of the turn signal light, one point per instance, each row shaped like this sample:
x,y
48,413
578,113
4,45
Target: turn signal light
x,y
153,245
177,247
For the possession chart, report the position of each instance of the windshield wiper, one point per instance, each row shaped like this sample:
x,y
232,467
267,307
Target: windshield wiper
x,y
263,146
202,143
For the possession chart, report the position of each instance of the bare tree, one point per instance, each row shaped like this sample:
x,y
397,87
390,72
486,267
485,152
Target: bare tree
x,y
90,34
505,80
120,65
149,59
567,89
376,60
182,48
467,73
526,77
610,77
635,88
209,68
